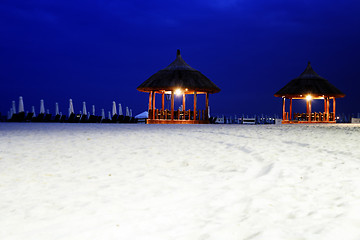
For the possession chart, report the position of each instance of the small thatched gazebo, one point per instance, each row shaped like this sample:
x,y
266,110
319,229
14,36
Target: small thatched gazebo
x,y
180,79
309,85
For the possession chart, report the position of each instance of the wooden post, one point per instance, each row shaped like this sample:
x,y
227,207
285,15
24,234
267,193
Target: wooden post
x,y
283,109
195,102
307,109
327,108
163,101
153,102
290,109
207,107
310,110
184,109
334,104
172,105
324,117
184,102
150,105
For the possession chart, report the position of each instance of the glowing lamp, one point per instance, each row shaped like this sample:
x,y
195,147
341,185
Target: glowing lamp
x,y
178,92
308,97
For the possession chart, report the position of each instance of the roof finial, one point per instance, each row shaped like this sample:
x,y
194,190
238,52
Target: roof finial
x,y
178,52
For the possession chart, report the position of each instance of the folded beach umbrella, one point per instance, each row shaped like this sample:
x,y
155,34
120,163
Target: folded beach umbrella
x,y
93,110
71,107
103,113
13,108
56,108
84,108
114,108
21,105
10,113
127,111
120,110
33,111
42,107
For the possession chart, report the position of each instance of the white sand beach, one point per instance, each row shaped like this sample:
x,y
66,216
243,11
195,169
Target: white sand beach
x,y
179,182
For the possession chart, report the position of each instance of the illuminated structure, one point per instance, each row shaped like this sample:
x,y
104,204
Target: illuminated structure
x,y
180,79
309,86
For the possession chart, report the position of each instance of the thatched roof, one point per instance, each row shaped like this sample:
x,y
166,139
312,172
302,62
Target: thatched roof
x,y
178,75
309,82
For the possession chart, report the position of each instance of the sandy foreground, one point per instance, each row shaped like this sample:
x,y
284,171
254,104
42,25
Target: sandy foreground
x,y
118,181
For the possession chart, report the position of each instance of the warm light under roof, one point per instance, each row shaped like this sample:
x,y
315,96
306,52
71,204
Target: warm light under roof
x,y
308,97
177,91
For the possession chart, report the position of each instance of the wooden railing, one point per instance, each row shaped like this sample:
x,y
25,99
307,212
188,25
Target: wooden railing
x,y
178,115
315,117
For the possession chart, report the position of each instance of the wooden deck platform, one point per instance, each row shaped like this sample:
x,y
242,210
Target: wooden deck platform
x,y
301,122
169,121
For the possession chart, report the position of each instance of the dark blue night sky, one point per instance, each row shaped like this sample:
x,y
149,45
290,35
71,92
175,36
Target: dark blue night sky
x,y
100,51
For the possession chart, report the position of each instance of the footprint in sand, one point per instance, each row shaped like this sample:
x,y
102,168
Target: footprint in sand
x,y
265,170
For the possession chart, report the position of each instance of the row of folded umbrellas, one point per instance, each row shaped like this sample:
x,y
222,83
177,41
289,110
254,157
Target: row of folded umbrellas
x,y
115,116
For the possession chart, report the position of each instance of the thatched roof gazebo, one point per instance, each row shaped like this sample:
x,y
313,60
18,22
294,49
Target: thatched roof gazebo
x,y
181,79
309,85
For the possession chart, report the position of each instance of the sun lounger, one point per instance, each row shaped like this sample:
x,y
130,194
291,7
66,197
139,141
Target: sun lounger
x,y
29,117
47,118
57,118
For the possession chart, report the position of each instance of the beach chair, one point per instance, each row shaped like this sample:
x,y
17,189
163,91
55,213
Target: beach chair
x,y
126,119
47,118
62,118
18,117
121,118
114,118
71,118
92,119
57,118
29,117
83,118
38,118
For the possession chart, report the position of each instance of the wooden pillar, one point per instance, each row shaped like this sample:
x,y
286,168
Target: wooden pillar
x,y
150,98
184,109
153,102
207,106
195,102
307,109
334,107
290,109
163,101
324,117
150,105
327,108
283,110
310,110
172,105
